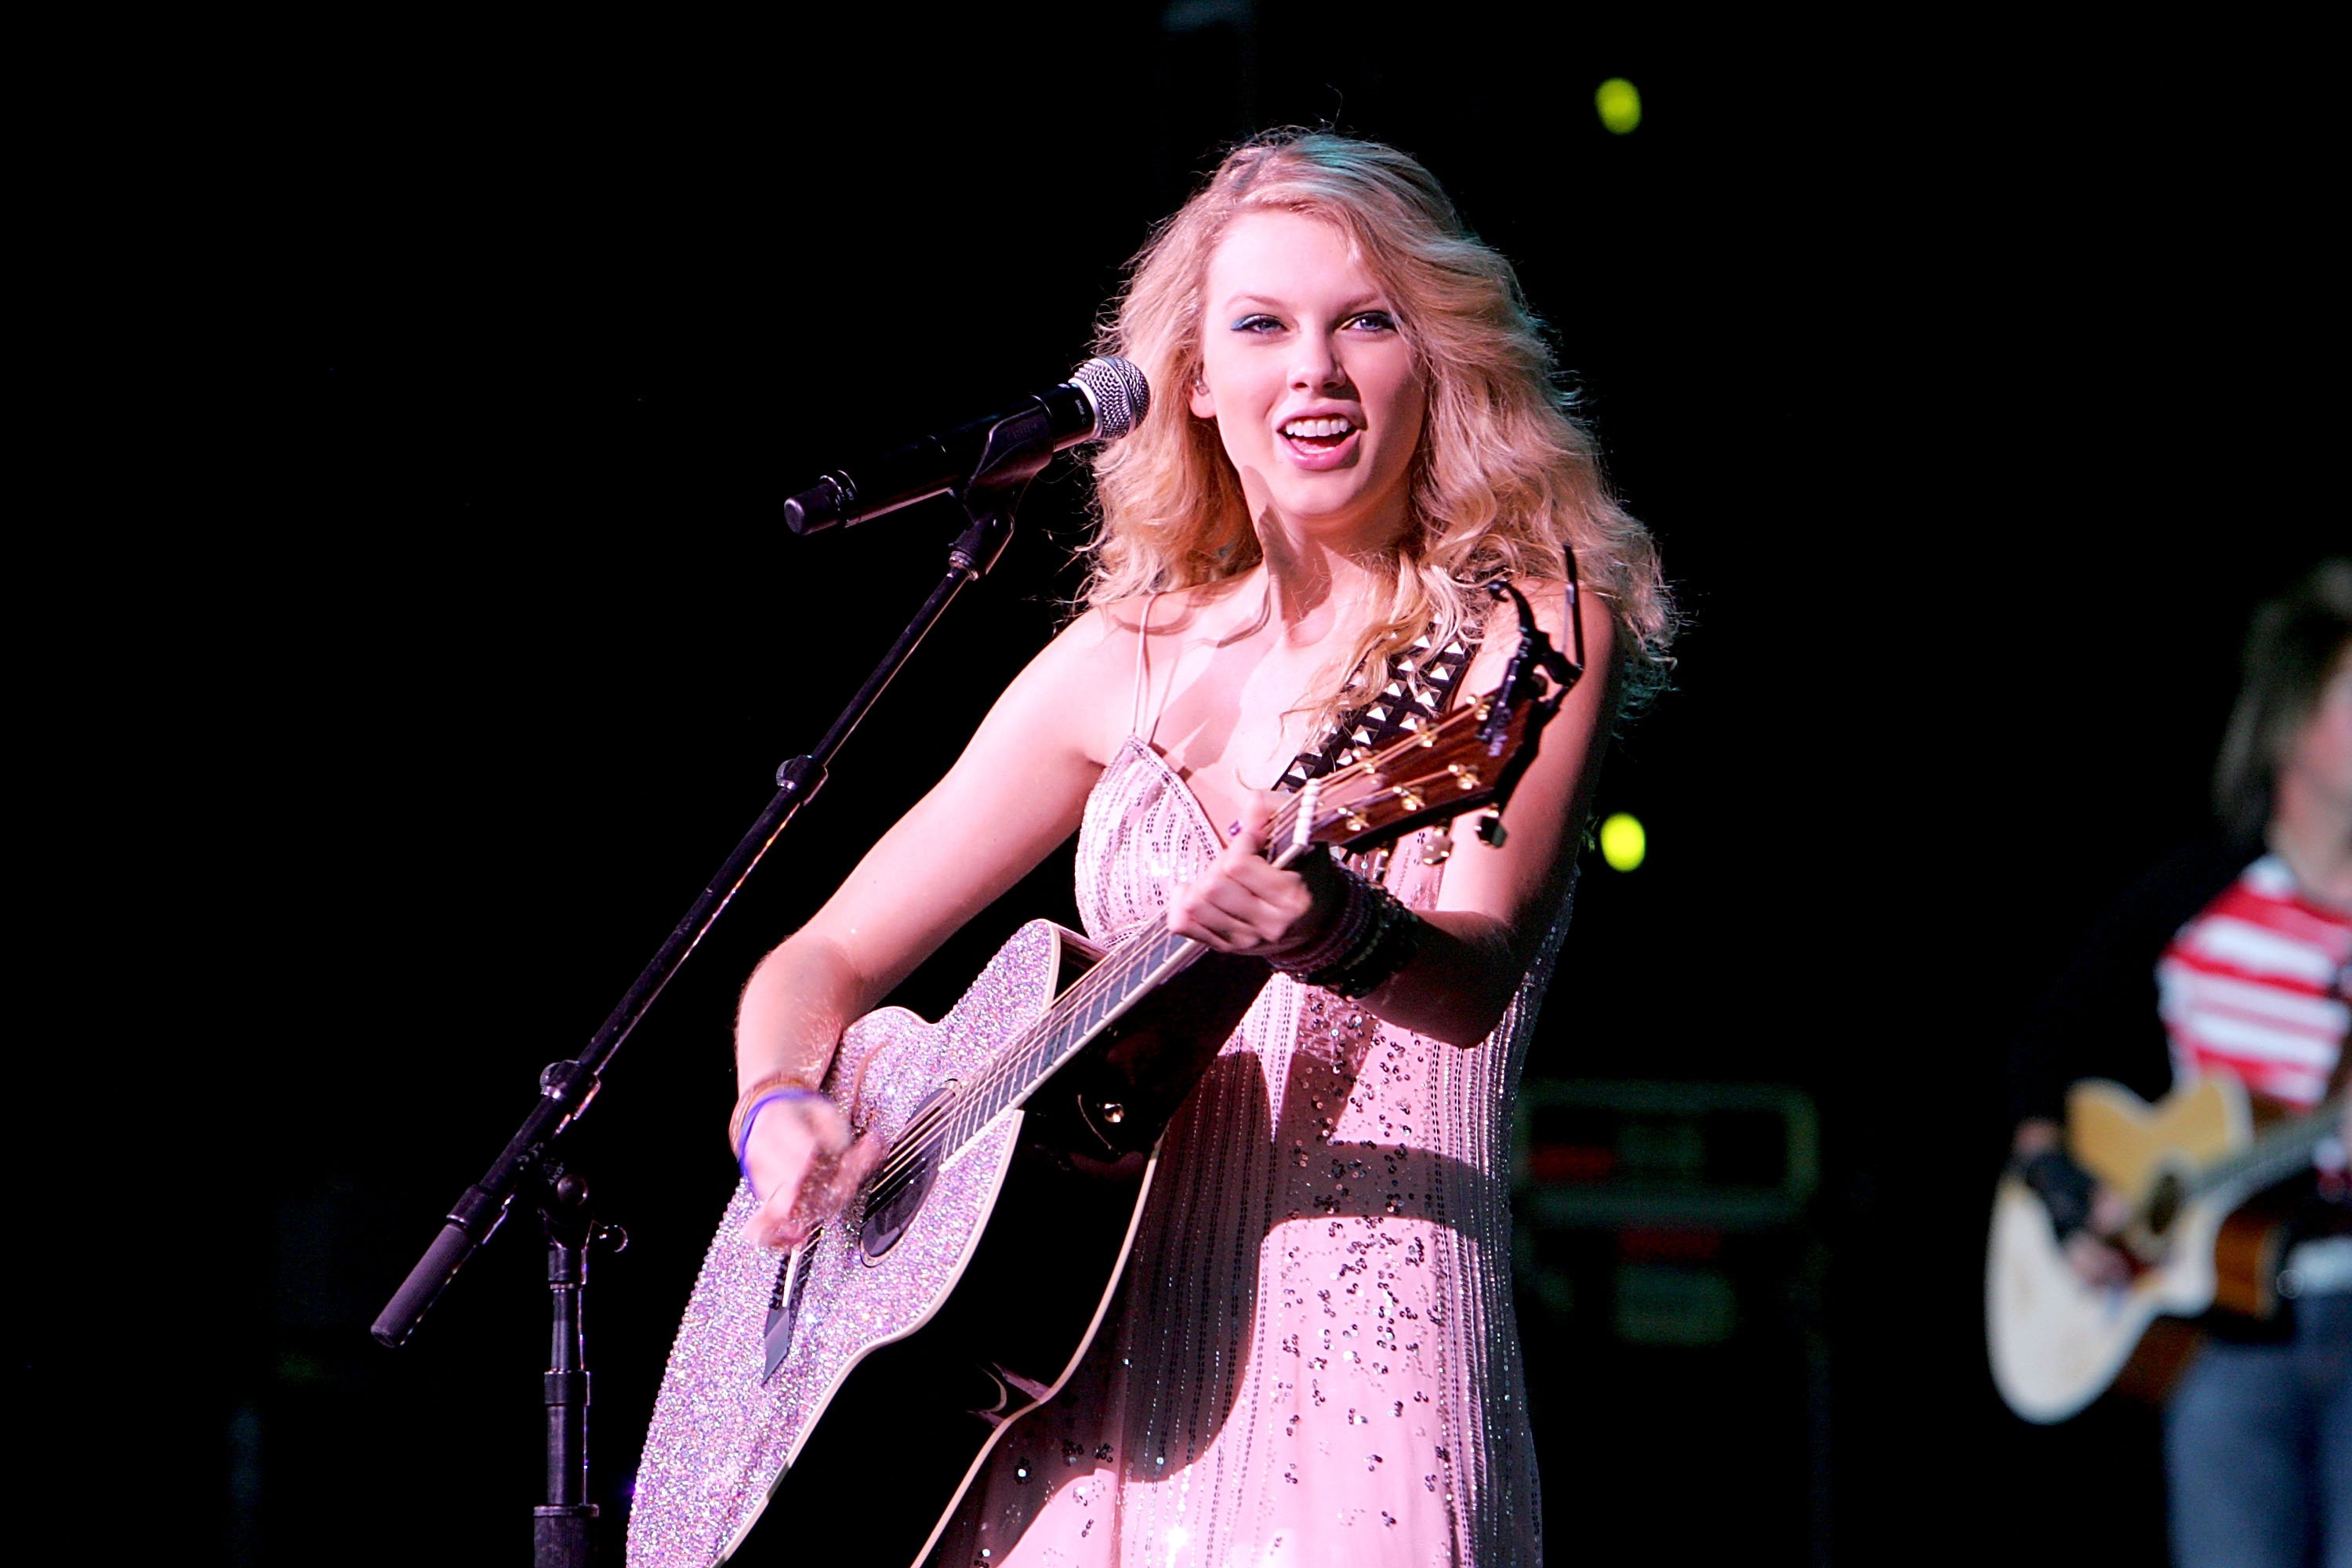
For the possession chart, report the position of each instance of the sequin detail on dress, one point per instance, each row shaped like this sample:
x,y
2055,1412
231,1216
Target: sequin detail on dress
x,y
1313,1358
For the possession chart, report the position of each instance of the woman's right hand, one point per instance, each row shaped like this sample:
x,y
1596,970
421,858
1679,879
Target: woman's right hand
x,y
806,1163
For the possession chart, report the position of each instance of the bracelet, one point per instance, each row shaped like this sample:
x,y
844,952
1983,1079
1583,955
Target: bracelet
x,y
775,1085
1396,937
743,1153
1348,927
1376,937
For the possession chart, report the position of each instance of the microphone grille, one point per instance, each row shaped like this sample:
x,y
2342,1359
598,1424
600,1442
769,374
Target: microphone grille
x,y
1119,394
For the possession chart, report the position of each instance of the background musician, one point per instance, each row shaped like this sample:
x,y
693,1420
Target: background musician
x,y
2232,958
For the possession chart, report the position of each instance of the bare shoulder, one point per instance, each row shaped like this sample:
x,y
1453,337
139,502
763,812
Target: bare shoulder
x,y
1061,689
1159,626
1082,685
1088,637
1548,598
1175,615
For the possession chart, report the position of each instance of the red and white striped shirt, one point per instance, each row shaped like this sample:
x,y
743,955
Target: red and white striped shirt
x,y
2255,987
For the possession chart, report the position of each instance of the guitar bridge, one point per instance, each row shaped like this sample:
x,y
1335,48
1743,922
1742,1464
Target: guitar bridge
x,y
784,1304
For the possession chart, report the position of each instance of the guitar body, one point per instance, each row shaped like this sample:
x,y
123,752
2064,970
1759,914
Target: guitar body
x,y
976,1311
2133,1146
2056,1343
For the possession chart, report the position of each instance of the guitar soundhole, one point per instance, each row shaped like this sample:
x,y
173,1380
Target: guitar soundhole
x,y
898,1194
2164,1203
892,1210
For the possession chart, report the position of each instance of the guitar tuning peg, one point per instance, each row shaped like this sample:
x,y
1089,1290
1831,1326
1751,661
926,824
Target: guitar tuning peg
x,y
1437,848
1491,832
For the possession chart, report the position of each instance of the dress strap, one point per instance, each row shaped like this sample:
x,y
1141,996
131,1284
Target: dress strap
x,y
1142,676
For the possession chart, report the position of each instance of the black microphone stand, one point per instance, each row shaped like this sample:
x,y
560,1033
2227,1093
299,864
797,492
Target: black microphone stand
x,y
561,1532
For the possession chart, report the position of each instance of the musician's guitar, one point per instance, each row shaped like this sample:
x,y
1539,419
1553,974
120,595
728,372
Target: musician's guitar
x,y
861,1379
2189,1165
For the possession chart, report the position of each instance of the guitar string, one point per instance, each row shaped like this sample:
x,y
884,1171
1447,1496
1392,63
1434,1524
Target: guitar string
x,y
1048,1038
2282,1150
1104,981
1015,1068
917,1138
1041,1047
954,1120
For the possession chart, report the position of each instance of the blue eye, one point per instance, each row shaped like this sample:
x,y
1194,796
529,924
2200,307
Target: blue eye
x,y
1375,322
1257,324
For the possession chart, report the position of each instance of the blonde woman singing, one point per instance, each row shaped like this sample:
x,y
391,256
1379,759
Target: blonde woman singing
x,y
1313,1358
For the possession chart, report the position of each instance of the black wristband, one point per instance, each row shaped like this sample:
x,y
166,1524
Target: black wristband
x,y
1388,942
2065,1188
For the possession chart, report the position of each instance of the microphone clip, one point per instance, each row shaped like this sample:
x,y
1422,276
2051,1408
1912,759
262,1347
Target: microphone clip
x,y
1015,450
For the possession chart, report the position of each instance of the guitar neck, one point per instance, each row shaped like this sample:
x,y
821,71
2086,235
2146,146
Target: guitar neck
x,y
1442,768
2276,1156
1144,962
1139,965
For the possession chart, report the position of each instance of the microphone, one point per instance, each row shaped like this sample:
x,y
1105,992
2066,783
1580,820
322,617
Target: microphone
x,y
1103,400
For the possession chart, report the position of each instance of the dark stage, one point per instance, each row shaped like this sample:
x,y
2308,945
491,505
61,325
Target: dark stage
x,y
1965,382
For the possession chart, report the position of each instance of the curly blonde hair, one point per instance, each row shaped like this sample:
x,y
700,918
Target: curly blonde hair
x,y
1502,480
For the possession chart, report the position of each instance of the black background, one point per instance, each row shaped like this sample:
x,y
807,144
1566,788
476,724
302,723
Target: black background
x,y
417,630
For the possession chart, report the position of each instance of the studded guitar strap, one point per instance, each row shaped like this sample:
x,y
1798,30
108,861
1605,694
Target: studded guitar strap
x,y
1420,680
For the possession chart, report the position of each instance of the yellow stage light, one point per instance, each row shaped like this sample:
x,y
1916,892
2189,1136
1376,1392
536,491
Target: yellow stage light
x,y
1619,103
1622,841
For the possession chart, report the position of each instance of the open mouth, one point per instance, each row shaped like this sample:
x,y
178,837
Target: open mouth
x,y
1326,434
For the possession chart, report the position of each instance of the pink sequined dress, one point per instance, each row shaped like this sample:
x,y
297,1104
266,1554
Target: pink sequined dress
x,y
1313,1359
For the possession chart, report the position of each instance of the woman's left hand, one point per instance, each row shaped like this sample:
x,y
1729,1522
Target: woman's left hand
x,y
1244,904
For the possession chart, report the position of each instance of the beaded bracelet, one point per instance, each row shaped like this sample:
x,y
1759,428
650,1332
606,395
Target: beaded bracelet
x,y
1348,927
1393,939
1374,937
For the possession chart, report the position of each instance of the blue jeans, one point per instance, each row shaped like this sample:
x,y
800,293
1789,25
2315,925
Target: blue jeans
x,y
2258,1448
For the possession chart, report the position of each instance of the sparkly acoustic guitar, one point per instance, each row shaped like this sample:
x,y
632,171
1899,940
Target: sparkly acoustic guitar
x,y
877,1364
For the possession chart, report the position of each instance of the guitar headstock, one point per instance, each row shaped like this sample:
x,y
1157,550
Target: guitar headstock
x,y
1468,760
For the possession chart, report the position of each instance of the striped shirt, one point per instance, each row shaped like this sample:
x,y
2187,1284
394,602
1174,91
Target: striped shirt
x,y
2256,987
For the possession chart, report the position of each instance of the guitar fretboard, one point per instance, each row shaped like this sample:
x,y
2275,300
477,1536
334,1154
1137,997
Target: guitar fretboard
x,y
1100,995
2274,1157
1444,768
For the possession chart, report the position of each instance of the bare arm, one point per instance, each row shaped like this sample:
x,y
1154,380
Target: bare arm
x,y
1016,792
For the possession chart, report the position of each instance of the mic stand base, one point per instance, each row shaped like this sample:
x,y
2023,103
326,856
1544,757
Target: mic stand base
x,y
563,1537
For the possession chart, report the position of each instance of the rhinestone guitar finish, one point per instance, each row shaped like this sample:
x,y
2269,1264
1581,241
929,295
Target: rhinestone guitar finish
x,y
721,1437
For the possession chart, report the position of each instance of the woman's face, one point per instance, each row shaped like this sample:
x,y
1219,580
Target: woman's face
x,y
1317,398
